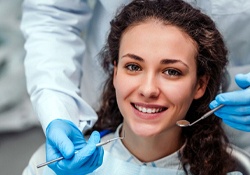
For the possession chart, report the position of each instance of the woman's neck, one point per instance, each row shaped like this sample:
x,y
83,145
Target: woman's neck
x,y
148,149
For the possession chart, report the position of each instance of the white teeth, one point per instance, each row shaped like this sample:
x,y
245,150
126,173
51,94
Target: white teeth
x,y
148,110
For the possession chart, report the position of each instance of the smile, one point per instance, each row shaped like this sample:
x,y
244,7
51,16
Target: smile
x,y
148,110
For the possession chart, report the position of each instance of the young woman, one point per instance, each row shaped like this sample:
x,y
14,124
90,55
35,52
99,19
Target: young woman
x,y
165,62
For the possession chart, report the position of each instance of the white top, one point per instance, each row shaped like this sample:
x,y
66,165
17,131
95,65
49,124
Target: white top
x,y
117,147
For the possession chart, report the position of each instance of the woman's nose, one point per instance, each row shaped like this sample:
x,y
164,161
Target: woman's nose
x,y
149,87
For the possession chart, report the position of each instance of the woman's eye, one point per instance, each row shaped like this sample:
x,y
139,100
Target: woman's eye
x,y
172,72
133,67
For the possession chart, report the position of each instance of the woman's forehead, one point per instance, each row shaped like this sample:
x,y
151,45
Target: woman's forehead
x,y
154,37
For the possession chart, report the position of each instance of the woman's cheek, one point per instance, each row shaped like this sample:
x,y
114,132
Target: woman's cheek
x,y
179,94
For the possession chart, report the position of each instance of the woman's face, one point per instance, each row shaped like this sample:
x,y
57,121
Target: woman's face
x,y
155,78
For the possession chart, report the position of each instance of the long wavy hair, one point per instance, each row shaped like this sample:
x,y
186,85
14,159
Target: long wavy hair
x,y
205,150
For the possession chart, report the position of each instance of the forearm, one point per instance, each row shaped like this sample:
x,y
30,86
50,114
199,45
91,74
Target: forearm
x,y
54,50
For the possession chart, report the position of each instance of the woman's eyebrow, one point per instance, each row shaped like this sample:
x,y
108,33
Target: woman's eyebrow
x,y
133,56
172,61
163,61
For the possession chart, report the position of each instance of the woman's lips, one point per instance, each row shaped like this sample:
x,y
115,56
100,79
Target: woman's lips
x,y
148,111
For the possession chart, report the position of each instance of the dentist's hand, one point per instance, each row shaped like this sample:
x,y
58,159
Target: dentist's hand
x,y
236,112
63,138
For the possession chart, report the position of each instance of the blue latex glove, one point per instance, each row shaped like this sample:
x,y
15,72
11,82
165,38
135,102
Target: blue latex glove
x,y
236,112
63,138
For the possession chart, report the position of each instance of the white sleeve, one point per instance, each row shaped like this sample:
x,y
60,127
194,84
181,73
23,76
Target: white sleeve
x,y
54,51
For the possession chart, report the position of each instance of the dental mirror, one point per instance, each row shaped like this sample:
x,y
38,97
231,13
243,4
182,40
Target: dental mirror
x,y
185,123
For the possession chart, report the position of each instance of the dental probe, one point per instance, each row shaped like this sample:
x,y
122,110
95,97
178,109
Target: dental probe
x,y
97,145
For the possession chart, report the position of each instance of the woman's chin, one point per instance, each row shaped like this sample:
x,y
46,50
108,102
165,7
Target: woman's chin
x,y
145,130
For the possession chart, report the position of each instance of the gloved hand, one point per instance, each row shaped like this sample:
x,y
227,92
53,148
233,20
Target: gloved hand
x,y
63,138
236,112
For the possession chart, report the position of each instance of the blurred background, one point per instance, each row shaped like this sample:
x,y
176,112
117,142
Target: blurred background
x,y
20,131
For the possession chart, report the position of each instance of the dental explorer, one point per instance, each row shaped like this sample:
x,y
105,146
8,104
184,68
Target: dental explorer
x,y
97,145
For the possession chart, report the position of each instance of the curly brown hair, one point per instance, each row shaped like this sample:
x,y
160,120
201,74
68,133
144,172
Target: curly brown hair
x,y
205,150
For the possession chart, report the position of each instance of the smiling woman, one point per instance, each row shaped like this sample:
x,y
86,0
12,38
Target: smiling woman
x,y
161,57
